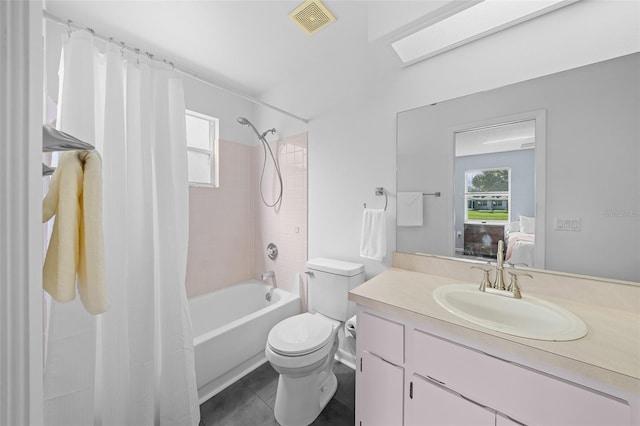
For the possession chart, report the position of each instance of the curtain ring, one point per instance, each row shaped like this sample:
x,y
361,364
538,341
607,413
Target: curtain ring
x,y
69,30
137,56
122,49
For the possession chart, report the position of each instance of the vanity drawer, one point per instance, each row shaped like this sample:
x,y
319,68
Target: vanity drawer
x,y
526,395
382,337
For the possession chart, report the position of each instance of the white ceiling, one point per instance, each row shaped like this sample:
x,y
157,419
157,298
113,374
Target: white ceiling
x,y
250,46
500,138
254,48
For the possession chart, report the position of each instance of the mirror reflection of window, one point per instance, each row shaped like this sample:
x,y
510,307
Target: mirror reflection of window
x,y
495,185
487,194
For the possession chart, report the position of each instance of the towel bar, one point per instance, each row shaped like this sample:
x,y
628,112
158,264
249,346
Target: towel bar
x,y
55,140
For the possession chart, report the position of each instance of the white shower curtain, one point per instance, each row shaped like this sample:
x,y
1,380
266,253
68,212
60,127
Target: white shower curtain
x,y
132,365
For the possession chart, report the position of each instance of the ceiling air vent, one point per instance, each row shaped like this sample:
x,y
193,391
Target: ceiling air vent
x,y
312,16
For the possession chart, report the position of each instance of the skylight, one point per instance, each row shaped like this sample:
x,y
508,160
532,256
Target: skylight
x,y
480,20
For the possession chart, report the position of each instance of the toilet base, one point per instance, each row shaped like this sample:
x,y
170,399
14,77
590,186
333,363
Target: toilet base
x,y
299,400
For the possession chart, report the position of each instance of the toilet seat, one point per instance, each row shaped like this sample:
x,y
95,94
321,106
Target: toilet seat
x,y
301,334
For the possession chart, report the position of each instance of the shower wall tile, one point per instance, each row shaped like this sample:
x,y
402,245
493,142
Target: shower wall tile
x,y
230,227
221,225
286,226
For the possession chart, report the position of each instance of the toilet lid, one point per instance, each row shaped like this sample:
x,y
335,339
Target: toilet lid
x,y
300,334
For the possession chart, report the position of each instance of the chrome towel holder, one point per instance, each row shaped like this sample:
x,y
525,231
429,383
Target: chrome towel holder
x,y
379,192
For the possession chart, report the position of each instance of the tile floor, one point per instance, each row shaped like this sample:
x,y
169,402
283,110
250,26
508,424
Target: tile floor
x,y
249,401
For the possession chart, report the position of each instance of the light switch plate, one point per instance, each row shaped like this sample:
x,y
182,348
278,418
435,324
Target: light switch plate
x,y
567,224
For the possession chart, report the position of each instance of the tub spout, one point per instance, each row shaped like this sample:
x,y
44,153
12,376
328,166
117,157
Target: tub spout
x,y
264,276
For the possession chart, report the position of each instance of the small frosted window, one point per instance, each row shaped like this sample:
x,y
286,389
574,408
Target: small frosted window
x,y
199,167
202,149
198,132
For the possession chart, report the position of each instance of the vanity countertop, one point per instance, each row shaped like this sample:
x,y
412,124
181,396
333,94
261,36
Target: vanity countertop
x,y
609,353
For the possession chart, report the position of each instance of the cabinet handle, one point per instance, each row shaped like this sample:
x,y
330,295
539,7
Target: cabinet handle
x,y
435,380
472,401
442,385
410,390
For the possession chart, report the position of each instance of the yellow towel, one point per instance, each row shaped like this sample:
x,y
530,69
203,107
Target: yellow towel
x,y
76,246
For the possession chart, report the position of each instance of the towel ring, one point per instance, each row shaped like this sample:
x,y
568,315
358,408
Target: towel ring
x,y
380,191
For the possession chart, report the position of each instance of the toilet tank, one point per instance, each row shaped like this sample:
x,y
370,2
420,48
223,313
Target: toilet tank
x,y
329,283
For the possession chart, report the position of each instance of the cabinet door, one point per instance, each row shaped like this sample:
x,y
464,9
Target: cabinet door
x,y
379,392
432,404
381,336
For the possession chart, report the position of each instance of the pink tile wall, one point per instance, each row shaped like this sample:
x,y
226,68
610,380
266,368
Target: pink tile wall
x,y
221,224
286,226
230,227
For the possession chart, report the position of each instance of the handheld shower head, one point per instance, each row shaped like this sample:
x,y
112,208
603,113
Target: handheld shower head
x,y
243,121
265,146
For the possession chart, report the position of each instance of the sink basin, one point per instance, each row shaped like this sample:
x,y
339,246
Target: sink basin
x,y
528,317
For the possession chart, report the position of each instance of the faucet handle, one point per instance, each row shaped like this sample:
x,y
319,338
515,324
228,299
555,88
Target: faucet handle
x,y
486,279
513,285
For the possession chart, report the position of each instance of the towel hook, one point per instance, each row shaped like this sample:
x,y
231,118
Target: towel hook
x,y
380,191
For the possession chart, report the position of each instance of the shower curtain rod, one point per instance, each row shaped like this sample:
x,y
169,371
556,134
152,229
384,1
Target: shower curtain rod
x,y
70,24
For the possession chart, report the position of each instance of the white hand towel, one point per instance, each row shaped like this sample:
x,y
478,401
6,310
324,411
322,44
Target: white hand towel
x,y
373,244
410,211
76,246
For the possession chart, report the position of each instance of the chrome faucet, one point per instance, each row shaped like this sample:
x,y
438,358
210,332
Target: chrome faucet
x,y
264,276
497,286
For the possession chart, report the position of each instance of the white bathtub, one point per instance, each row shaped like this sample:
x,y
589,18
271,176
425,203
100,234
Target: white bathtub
x,y
230,328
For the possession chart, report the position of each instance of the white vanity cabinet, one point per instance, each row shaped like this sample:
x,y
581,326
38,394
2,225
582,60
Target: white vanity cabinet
x,y
524,394
446,382
380,371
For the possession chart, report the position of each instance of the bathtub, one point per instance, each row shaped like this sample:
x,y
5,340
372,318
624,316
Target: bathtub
x,y
230,328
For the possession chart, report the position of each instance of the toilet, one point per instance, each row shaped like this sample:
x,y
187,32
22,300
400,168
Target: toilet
x,y
301,348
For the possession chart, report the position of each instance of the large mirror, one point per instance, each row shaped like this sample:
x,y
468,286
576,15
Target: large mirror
x,y
572,206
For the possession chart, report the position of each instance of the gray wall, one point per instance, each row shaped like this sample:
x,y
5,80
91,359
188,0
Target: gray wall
x,y
592,162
